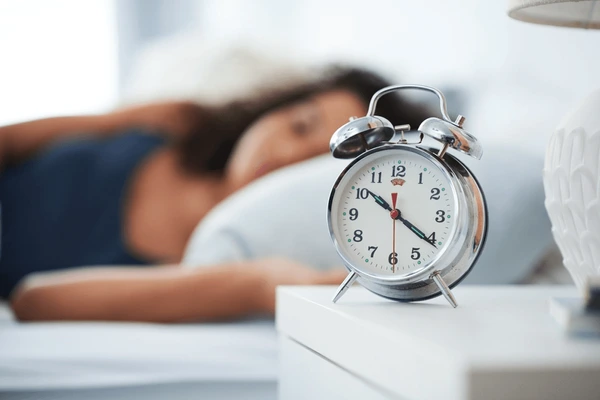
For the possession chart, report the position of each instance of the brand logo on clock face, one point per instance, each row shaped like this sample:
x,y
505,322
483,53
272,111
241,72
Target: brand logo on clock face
x,y
398,182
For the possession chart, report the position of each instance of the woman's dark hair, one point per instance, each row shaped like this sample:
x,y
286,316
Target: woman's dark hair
x,y
209,146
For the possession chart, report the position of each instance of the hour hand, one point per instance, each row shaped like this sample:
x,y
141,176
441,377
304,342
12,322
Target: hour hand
x,y
379,200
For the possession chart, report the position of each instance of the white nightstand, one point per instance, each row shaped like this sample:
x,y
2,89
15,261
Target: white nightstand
x,y
500,343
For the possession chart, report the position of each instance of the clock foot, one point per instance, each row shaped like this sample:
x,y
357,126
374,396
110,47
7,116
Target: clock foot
x,y
345,285
437,278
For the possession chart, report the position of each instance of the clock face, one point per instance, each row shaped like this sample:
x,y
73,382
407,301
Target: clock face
x,y
393,213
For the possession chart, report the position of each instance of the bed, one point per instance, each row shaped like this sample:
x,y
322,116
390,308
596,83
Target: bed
x,y
134,360
239,360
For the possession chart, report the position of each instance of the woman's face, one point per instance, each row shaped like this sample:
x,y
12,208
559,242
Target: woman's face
x,y
291,134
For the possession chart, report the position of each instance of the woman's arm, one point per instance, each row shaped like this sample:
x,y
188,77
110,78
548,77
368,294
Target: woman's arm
x,y
20,141
161,294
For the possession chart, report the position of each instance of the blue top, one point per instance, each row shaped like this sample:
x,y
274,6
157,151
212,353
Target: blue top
x,y
63,208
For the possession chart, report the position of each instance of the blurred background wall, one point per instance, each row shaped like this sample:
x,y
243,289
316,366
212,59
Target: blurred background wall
x,y
515,80
56,57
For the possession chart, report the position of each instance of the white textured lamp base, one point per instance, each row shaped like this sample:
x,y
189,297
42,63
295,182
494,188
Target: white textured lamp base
x,y
572,186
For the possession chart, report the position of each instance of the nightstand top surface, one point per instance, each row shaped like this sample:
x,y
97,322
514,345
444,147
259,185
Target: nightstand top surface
x,y
494,329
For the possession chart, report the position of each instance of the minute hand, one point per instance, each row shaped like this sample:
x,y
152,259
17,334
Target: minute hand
x,y
415,230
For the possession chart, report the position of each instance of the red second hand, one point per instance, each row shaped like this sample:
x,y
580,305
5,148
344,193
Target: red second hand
x,y
393,215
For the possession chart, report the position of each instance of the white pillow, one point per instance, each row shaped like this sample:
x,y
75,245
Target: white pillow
x,y
281,214
284,214
519,230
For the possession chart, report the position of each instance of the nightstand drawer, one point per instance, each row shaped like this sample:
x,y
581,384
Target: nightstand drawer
x,y
305,374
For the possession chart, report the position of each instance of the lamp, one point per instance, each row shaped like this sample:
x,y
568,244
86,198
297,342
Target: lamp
x,y
572,174
572,13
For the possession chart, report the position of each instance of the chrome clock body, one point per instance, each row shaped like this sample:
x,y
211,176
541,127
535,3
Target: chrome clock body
x,y
436,264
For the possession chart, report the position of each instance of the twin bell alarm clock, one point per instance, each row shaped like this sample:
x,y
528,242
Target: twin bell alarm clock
x,y
408,220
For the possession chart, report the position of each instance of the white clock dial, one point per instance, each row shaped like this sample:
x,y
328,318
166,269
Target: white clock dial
x,y
393,213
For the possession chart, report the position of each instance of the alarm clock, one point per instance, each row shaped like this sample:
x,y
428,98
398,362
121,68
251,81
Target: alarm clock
x,y
408,220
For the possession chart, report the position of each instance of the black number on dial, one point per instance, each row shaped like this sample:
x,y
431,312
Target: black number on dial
x,y
372,249
415,255
393,258
431,237
373,180
362,193
420,178
398,170
353,214
358,235
440,216
435,194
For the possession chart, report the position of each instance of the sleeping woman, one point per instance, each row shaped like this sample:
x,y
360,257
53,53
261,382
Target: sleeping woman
x,y
96,210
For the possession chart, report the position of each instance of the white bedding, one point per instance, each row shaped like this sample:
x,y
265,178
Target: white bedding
x,y
222,360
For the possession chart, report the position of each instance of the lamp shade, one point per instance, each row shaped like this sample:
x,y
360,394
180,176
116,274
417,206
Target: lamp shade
x,y
574,13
